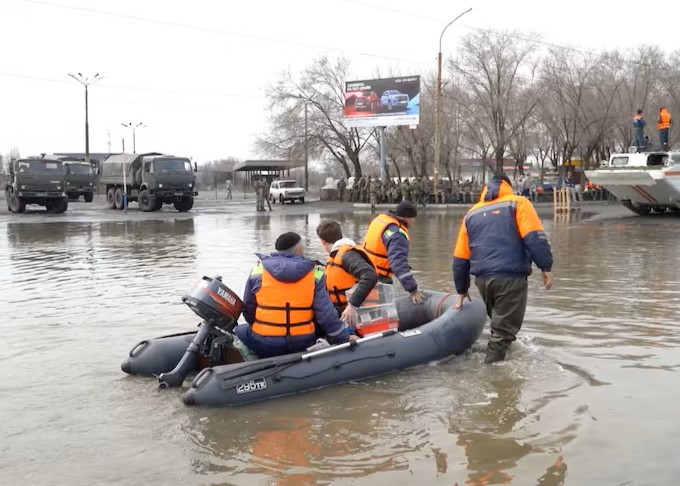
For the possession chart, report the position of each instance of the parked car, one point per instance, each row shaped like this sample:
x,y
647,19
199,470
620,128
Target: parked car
x,y
286,190
367,101
393,99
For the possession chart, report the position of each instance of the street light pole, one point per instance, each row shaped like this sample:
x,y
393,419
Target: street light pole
x,y
134,128
86,82
438,109
306,153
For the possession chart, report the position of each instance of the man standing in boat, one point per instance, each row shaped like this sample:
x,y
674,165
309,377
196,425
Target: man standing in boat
x,y
498,239
664,127
285,298
387,245
348,264
639,131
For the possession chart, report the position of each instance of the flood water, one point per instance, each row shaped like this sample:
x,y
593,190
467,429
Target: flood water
x,y
589,395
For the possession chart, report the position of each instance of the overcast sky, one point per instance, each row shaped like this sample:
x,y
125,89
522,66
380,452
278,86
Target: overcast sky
x,y
195,72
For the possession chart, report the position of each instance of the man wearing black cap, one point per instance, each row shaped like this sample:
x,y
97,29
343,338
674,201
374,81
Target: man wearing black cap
x,y
387,244
285,298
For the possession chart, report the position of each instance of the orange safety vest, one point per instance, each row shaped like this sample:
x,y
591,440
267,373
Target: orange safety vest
x,y
664,120
374,246
284,308
339,280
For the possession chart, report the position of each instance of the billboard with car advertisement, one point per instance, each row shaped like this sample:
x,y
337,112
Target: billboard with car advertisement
x,y
382,102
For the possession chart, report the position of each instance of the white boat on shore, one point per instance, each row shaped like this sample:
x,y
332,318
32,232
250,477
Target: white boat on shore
x,y
644,182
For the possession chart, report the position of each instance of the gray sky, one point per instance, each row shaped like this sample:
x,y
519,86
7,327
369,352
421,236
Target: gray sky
x,y
195,72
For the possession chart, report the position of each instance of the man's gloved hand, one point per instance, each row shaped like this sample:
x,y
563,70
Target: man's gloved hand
x,y
417,297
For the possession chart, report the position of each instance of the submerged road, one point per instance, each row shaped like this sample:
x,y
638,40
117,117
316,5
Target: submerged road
x,y
588,395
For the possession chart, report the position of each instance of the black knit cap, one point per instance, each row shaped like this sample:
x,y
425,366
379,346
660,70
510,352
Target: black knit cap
x,y
287,241
406,209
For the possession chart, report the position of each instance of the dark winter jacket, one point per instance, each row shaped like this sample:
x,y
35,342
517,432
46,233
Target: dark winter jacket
x,y
500,236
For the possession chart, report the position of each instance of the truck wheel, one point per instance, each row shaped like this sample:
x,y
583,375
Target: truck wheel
x,y
111,198
88,196
146,201
302,200
58,207
118,198
138,176
158,204
184,205
15,204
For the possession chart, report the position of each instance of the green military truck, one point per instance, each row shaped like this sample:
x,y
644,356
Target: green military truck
x,y
150,179
80,179
36,181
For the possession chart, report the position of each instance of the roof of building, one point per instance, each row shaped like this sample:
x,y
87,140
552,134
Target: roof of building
x,y
268,165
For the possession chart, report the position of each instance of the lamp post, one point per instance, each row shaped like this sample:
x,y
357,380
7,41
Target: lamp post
x,y
134,128
86,82
438,108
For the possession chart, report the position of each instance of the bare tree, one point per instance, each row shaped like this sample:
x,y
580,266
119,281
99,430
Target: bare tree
x,y
320,88
496,68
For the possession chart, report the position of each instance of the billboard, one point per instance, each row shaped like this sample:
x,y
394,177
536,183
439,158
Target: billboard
x,y
382,102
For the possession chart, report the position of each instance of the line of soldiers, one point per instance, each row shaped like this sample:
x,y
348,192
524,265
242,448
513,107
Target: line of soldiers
x,y
372,190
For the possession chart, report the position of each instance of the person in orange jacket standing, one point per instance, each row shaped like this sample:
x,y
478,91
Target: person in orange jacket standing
x,y
664,127
499,238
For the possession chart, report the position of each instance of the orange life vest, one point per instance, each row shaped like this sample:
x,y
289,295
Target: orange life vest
x,y
284,308
339,280
664,120
374,246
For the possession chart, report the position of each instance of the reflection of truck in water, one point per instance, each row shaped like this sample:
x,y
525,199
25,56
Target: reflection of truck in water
x,y
151,180
80,179
393,99
36,181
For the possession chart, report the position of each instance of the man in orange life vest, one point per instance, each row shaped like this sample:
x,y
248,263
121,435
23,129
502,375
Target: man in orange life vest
x,y
664,127
285,297
499,238
387,245
347,264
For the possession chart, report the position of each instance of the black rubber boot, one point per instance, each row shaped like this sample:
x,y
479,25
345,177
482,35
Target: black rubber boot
x,y
495,352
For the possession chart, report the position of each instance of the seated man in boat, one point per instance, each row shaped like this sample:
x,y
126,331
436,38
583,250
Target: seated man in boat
x,y
347,264
387,245
285,297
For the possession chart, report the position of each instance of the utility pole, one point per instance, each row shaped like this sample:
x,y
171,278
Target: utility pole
x,y
306,152
134,127
86,82
438,109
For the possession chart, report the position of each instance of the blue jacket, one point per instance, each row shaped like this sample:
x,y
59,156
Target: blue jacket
x,y
500,236
397,254
289,268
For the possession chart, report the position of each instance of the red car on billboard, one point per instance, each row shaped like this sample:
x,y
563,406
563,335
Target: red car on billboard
x,y
366,101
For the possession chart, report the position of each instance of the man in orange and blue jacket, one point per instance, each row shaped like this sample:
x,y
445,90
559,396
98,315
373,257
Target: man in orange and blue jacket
x,y
499,238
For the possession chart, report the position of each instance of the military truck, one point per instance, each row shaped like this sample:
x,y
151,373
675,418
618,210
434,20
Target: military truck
x,y
80,179
36,181
151,179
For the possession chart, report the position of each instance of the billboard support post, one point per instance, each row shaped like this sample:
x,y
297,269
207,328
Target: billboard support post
x,y
383,165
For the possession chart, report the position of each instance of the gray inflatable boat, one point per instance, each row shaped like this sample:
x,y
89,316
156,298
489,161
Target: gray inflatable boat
x,y
427,332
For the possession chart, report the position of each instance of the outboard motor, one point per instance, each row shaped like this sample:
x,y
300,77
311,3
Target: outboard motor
x,y
219,307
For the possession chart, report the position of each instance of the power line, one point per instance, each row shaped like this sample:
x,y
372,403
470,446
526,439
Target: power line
x,y
220,31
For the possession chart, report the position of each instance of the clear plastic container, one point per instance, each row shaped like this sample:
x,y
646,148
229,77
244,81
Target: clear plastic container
x,y
378,313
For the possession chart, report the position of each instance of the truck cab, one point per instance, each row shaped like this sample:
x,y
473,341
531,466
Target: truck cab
x,y
80,179
36,181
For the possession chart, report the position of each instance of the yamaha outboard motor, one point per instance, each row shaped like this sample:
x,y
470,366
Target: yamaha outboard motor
x,y
219,307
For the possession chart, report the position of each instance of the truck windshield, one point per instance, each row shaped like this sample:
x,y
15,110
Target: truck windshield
x,y
39,166
80,169
287,184
172,165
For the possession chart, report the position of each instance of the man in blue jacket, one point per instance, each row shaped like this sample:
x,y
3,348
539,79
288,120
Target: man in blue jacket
x,y
499,238
285,300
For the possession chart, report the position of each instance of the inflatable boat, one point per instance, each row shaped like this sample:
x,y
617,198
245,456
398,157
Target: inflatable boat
x,y
427,332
